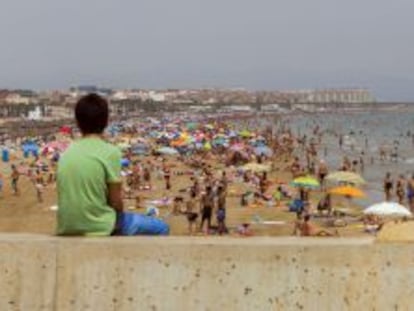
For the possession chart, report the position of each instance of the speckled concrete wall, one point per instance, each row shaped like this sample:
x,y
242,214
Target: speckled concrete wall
x,y
27,272
215,274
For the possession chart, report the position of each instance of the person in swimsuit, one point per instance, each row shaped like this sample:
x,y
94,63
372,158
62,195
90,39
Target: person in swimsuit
x,y
221,210
191,215
322,172
167,178
206,208
309,229
147,178
400,189
410,192
388,186
15,179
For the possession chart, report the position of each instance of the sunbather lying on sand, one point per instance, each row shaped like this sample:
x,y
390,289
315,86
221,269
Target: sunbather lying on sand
x,y
309,229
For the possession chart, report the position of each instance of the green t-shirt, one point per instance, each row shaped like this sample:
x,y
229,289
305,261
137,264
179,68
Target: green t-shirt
x,y
83,174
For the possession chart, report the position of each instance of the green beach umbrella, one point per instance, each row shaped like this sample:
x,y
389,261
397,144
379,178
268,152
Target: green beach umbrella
x,y
305,182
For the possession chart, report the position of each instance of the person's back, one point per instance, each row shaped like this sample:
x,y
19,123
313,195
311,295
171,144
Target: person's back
x,y
83,173
88,175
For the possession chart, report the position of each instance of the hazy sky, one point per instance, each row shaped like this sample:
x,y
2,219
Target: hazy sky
x,y
257,44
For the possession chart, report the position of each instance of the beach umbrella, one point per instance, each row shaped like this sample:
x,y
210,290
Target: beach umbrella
x,y
219,141
348,191
388,209
167,151
191,125
305,182
257,168
245,133
263,150
346,177
207,146
209,126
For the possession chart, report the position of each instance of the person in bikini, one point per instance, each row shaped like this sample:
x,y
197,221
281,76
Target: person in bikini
x,y
309,229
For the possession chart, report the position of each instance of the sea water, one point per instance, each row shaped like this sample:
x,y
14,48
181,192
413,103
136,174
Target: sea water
x,y
365,132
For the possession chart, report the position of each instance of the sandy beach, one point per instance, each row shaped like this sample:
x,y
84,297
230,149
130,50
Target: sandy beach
x,y
24,213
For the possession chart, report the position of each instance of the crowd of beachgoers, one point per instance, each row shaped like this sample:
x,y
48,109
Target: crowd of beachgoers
x,y
207,172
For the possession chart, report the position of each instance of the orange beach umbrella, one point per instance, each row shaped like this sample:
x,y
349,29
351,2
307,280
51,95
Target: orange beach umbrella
x,y
348,191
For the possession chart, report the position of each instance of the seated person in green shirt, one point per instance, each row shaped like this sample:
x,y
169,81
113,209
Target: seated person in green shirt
x,y
89,182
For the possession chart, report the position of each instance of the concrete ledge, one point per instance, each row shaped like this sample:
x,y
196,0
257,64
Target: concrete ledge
x,y
180,273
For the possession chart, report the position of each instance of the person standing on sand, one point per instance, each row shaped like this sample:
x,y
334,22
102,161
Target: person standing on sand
x,y
147,178
322,172
221,210
167,176
410,192
206,208
39,184
89,183
1,184
400,189
15,175
190,211
388,186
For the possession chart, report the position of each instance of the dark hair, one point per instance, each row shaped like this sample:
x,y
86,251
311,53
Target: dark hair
x,y
307,217
92,113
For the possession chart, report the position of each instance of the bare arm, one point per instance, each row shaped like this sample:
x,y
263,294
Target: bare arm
x,y
115,196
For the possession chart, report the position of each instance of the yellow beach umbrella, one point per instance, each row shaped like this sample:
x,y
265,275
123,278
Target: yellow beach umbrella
x,y
346,177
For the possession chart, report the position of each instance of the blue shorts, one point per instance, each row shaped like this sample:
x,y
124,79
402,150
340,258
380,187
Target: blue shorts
x,y
137,224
